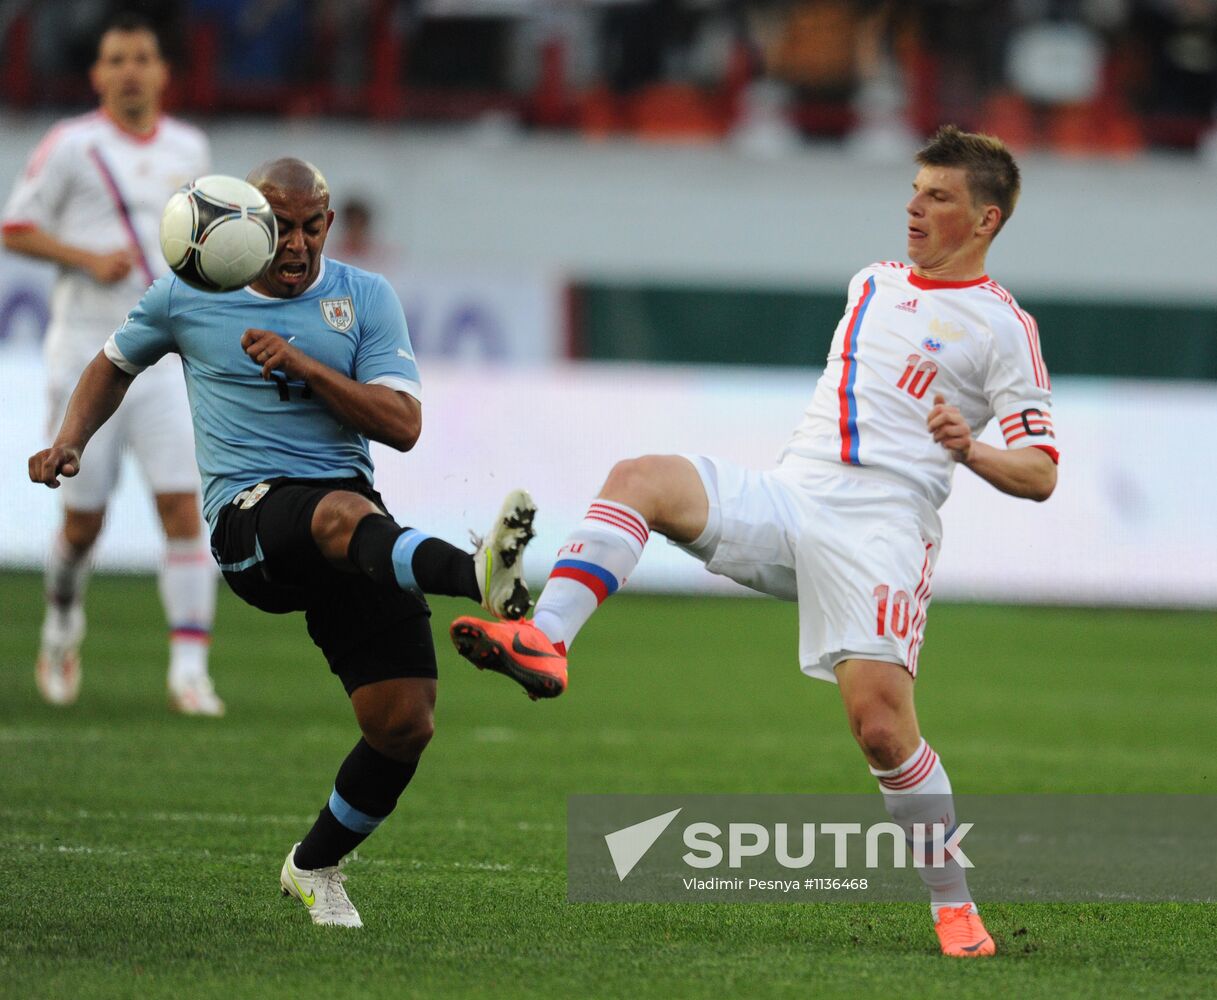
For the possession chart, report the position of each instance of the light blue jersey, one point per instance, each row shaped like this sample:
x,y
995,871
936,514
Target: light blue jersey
x,y
247,429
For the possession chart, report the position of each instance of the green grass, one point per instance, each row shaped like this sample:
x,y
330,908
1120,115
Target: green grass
x,y
141,850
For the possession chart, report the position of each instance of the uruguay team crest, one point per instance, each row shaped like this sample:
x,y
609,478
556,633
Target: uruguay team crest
x,y
339,313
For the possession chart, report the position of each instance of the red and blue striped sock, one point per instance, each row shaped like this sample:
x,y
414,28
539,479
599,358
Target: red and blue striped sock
x,y
918,795
592,565
187,584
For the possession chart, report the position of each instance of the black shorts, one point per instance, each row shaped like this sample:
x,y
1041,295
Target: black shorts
x,y
264,544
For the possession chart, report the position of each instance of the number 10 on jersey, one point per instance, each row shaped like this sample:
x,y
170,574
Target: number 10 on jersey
x,y
917,376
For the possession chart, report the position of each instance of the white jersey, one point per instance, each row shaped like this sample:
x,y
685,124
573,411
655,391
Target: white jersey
x,y
902,340
92,184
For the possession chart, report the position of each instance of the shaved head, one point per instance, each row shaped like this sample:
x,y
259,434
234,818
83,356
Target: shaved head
x,y
288,175
300,199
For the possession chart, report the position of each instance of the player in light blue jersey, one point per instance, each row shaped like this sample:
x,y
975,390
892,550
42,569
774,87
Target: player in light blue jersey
x,y
261,421
288,380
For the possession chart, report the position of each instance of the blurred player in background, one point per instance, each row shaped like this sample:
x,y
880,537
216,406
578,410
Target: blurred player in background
x,y
847,524
282,422
358,243
90,201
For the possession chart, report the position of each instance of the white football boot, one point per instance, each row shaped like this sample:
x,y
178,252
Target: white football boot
x,y
195,695
58,668
498,559
321,891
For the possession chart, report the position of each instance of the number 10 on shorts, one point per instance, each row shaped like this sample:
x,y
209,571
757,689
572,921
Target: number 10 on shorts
x,y
899,605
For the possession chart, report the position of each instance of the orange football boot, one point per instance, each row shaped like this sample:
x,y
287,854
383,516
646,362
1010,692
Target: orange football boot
x,y
961,932
518,649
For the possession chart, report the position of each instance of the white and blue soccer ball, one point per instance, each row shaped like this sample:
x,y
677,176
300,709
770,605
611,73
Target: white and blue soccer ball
x,y
218,233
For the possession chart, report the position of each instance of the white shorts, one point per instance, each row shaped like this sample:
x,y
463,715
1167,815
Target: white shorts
x,y
153,421
855,548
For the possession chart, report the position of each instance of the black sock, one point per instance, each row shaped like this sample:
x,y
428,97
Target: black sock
x,y
434,566
442,568
366,789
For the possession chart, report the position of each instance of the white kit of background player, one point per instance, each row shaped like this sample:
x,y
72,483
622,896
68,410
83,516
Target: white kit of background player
x,y
90,200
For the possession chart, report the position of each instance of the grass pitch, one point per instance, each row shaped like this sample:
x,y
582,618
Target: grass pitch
x,y
140,851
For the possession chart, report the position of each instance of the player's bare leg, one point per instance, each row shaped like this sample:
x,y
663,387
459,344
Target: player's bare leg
x,y
663,493
58,671
665,489
396,718
187,583
878,699
334,522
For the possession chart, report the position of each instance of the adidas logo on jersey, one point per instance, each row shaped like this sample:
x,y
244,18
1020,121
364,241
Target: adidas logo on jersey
x,y
909,307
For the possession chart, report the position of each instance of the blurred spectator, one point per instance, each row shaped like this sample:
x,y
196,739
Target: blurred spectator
x,y
883,129
1055,68
643,43
1077,75
1180,37
463,52
263,41
965,42
1055,62
816,51
346,25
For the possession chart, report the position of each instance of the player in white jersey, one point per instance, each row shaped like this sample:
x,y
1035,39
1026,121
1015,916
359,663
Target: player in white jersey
x,y
90,201
847,523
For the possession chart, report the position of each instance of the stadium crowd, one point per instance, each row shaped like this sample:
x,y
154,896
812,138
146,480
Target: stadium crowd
x,y
1080,76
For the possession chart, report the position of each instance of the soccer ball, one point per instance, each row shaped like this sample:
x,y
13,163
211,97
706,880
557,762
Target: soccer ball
x,y
218,233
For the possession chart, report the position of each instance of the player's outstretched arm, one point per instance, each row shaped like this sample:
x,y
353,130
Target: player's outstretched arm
x,y
105,268
100,389
1022,472
376,411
